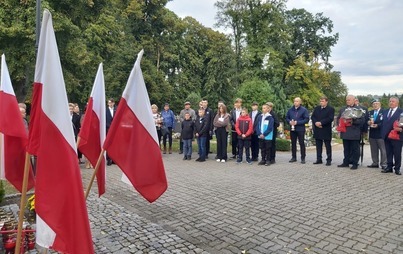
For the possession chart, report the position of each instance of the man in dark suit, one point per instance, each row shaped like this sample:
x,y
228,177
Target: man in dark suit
x,y
322,118
393,147
209,115
110,113
254,113
234,114
377,143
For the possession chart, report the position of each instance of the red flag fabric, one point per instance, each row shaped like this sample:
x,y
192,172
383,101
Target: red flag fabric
x,y
92,132
62,221
132,141
15,136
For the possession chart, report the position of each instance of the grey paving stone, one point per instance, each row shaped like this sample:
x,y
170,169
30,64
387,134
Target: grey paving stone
x,y
222,208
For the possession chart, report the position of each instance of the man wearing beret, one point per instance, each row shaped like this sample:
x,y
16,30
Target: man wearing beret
x,y
376,141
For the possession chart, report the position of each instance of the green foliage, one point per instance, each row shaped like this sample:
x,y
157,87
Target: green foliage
x,y
255,90
2,191
283,144
272,54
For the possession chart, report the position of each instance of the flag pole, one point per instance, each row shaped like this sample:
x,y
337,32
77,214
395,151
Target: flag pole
x,y
23,201
101,155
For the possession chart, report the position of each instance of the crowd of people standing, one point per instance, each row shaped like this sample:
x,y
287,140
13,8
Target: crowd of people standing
x,y
254,131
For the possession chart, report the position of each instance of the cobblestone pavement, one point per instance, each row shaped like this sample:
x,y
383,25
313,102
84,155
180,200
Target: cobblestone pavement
x,y
228,208
216,207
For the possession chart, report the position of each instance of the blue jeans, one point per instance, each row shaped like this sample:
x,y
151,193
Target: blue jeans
x,y
187,147
201,142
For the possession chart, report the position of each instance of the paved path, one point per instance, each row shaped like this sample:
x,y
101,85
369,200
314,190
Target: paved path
x,y
215,207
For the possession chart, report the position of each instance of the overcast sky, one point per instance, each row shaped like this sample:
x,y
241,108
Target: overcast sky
x,y
369,53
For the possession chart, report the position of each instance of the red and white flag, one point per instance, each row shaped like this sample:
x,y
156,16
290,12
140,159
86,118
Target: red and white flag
x,y
132,141
62,219
14,136
93,129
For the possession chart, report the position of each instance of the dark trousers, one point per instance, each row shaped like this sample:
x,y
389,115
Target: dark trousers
x,y
319,148
394,151
254,145
351,152
169,136
244,143
234,143
265,149
273,146
222,143
181,144
208,138
300,135
159,134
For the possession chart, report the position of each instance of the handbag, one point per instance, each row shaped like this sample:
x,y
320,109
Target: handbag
x,y
164,130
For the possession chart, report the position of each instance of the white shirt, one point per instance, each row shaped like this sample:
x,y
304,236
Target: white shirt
x,y
111,110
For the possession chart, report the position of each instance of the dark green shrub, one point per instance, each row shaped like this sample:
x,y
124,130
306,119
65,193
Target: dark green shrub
x,y
2,191
283,145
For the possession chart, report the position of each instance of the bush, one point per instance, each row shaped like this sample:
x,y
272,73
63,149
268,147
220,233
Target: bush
x,y
283,145
2,191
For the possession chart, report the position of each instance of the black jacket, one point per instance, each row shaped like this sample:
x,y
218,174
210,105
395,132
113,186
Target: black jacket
x,y
376,132
353,132
325,116
202,126
188,129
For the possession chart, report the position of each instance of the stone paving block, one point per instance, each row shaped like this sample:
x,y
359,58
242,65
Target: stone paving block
x,y
220,208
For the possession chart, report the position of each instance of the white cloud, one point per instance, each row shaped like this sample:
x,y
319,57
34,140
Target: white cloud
x,y
369,53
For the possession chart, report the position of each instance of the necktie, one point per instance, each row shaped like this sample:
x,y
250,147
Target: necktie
x,y
375,114
390,113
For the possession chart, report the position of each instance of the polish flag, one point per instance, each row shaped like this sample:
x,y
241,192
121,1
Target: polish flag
x,y
132,141
93,129
62,219
14,136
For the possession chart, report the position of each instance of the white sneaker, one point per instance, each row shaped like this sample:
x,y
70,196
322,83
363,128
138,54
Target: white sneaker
x,y
218,160
222,161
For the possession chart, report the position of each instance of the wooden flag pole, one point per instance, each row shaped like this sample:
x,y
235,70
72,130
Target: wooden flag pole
x,y
101,156
23,201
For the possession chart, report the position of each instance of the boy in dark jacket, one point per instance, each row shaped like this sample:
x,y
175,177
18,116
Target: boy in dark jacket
x,y
244,129
202,129
264,131
188,128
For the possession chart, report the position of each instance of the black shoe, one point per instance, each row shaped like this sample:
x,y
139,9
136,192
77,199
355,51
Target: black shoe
x,y
198,159
267,164
328,163
180,152
387,170
261,163
109,162
343,166
233,157
185,158
202,160
398,173
292,160
272,161
302,161
383,167
189,158
318,162
354,167
254,159
373,166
